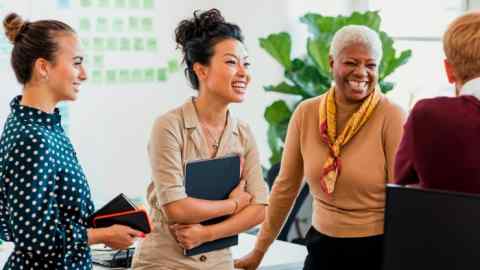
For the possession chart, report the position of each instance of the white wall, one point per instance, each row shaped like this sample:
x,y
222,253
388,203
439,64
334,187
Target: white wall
x,y
110,124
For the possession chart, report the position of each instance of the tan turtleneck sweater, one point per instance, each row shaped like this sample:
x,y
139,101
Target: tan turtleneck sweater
x,y
356,207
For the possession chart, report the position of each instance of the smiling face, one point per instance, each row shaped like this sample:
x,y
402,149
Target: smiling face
x,y
355,71
227,75
66,73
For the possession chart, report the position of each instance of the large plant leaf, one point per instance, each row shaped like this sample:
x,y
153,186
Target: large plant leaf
x,y
318,50
386,86
285,88
275,143
308,77
278,112
279,46
319,25
389,60
277,115
370,19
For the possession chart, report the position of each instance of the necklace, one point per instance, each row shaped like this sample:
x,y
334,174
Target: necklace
x,y
216,142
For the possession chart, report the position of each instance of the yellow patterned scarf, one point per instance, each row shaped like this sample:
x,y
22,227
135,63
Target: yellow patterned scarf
x,y
328,131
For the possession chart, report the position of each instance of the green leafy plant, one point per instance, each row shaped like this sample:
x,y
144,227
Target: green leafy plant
x,y
309,75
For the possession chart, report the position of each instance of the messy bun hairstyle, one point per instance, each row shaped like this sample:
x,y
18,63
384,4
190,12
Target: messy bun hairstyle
x,y
32,40
197,37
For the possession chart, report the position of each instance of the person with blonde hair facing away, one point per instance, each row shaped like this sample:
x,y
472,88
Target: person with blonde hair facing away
x,y
45,199
217,66
343,143
440,149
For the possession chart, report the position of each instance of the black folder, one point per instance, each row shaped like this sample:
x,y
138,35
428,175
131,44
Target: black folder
x,y
212,179
121,210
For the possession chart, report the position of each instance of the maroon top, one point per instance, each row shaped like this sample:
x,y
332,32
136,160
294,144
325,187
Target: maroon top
x,y
440,147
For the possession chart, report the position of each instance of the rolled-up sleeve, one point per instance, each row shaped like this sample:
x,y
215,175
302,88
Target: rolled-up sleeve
x,y
252,171
165,155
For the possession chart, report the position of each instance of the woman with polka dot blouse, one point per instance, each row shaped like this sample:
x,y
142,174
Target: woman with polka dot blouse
x,y
44,197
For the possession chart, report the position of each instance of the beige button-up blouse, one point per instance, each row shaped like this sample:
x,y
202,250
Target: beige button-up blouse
x,y
176,139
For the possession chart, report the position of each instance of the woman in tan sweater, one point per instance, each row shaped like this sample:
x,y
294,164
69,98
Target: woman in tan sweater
x,y
343,143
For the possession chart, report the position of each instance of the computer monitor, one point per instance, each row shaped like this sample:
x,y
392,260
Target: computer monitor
x,y
430,229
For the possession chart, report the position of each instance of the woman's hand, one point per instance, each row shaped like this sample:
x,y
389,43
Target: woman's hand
x,y
251,261
240,197
191,235
117,236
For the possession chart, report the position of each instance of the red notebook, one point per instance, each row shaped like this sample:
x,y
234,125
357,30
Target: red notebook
x,y
120,210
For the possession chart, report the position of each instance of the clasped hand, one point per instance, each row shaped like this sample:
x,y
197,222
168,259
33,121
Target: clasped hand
x,y
190,235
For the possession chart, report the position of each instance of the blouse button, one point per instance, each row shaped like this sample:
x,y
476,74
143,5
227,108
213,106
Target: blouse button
x,y
203,258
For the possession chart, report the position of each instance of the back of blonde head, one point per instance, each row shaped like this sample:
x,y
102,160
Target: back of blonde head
x,y
461,44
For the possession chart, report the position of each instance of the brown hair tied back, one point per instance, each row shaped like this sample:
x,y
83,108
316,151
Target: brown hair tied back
x,y
32,40
14,25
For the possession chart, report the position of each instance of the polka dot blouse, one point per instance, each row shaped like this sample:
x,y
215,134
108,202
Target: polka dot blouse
x,y
44,196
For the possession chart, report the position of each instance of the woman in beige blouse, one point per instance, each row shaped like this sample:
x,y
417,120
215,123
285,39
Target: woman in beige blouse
x,y
343,143
217,66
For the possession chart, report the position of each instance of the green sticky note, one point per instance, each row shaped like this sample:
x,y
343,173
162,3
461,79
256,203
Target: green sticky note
x,y
97,76
162,74
125,44
138,44
147,24
85,25
124,75
118,24
98,43
98,61
85,43
137,75
151,44
133,24
149,74
103,3
85,3
102,24
120,3
134,3
111,76
173,65
148,4
112,44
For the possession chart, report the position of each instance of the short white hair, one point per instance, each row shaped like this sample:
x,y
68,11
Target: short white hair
x,y
356,34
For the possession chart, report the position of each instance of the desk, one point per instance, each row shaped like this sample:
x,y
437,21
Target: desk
x,y
281,255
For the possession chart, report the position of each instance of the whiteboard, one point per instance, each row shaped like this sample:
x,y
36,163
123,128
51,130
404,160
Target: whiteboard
x,y
135,75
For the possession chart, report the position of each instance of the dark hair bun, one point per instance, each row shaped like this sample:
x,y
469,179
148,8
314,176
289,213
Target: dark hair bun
x,y
197,37
13,24
200,26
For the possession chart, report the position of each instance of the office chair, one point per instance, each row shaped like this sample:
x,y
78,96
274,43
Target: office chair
x,y
431,229
292,218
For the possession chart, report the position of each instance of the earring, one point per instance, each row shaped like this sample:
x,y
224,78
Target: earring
x,y
45,77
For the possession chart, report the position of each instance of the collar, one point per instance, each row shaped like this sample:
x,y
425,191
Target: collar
x,y
471,88
190,117
30,114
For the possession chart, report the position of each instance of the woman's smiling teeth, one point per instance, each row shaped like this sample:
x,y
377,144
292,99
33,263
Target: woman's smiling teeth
x,y
239,85
358,85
